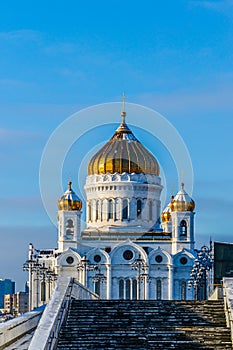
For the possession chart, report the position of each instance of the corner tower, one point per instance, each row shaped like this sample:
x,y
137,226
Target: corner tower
x,y
178,219
123,187
69,216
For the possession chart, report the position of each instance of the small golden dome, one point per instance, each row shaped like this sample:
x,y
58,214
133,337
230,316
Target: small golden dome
x,y
166,214
123,153
182,201
69,200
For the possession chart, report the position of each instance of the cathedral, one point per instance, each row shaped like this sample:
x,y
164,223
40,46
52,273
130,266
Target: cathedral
x,y
129,248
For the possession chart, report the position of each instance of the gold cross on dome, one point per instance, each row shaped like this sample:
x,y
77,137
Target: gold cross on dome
x,y
123,113
123,102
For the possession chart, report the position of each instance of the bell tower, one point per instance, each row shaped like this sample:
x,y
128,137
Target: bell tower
x,y
69,217
182,220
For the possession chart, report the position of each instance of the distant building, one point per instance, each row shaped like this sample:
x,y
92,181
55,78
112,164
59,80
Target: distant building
x,y
8,303
26,287
16,304
223,261
6,287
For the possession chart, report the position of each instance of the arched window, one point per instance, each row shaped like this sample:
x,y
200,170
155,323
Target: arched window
x,y
110,209
158,289
97,210
124,209
134,294
43,291
89,211
183,290
121,289
139,209
69,227
97,287
183,228
150,210
128,289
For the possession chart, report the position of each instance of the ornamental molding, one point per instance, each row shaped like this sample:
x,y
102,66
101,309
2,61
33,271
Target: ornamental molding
x,y
125,177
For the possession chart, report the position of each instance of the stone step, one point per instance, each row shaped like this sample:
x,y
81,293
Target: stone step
x,y
149,322
112,324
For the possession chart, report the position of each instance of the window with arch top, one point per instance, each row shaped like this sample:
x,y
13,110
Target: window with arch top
x,y
183,290
97,287
110,209
43,291
150,210
128,289
158,289
139,209
89,211
125,209
97,216
121,289
183,228
69,227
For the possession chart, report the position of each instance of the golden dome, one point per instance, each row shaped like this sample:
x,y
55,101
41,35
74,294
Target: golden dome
x,y
69,200
123,153
166,214
182,201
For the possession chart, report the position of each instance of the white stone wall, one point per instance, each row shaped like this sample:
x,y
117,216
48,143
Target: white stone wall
x,y
114,267
68,229
181,240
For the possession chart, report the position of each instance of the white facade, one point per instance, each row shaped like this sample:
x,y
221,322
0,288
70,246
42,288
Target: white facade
x,y
124,252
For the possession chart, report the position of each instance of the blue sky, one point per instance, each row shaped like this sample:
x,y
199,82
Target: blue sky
x,y
57,58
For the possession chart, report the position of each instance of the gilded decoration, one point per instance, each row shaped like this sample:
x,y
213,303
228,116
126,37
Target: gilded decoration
x,y
123,153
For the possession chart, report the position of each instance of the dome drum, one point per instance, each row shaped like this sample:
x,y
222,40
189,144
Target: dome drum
x,y
104,179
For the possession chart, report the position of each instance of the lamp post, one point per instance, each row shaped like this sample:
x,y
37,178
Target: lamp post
x,y
50,277
84,265
47,276
141,267
98,278
32,265
199,274
43,273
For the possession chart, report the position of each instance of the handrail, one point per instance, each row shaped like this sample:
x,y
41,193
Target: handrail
x,y
217,292
46,334
228,302
60,319
16,328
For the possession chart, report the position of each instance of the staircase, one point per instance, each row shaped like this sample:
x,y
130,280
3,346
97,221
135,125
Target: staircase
x,y
121,324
